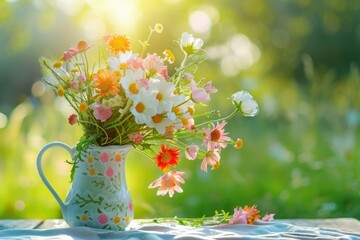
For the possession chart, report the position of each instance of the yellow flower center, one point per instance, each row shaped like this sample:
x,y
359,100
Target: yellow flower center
x,y
133,88
159,96
157,118
57,64
191,110
140,107
184,121
176,110
60,91
123,66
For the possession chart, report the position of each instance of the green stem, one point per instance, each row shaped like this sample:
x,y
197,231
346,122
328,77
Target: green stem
x,y
218,120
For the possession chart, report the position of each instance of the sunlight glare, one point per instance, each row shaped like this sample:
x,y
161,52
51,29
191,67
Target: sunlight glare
x,y
121,14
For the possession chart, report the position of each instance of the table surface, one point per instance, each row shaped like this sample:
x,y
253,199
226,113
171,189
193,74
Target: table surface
x,y
344,224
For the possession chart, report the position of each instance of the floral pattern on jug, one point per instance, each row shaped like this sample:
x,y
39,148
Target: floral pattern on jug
x,y
98,196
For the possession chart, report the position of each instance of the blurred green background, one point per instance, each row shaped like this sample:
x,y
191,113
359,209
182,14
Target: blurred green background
x,y
300,60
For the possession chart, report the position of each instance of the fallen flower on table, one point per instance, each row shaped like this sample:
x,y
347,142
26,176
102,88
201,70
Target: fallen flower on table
x,y
245,215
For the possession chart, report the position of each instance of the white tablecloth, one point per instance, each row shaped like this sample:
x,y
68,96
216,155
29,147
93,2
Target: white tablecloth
x,y
155,232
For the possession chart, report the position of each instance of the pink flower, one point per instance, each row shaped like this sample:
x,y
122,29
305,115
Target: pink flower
x,y
74,85
239,217
130,206
70,53
81,78
106,37
135,63
198,94
209,88
215,137
102,218
164,73
136,137
104,157
268,217
142,83
102,113
190,125
109,172
168,183
212,158
73,118
153,64
191,152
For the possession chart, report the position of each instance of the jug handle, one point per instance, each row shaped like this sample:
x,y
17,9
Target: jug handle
x,y
40,170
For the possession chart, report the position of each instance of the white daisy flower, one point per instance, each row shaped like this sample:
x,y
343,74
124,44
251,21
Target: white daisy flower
x,y
144,106
164,93
120,63
130,82
245,103
189,44
159,122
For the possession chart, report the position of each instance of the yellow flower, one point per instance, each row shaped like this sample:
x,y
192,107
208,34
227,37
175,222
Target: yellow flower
x,y
83,107
216,166
119,43
169,56
57,64
60,92
158,28
239,143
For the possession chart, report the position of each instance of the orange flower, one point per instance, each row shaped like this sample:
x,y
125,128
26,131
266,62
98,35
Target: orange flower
x,y
106,83
82,46
253,214
167,157
118,43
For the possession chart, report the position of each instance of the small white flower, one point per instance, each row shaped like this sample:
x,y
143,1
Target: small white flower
x,y
130,82
116,101
159,122
144,106
189,44
245,103
120,63
164,93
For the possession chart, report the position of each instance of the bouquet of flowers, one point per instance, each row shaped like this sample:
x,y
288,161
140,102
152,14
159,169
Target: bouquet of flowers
x,y
131,98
